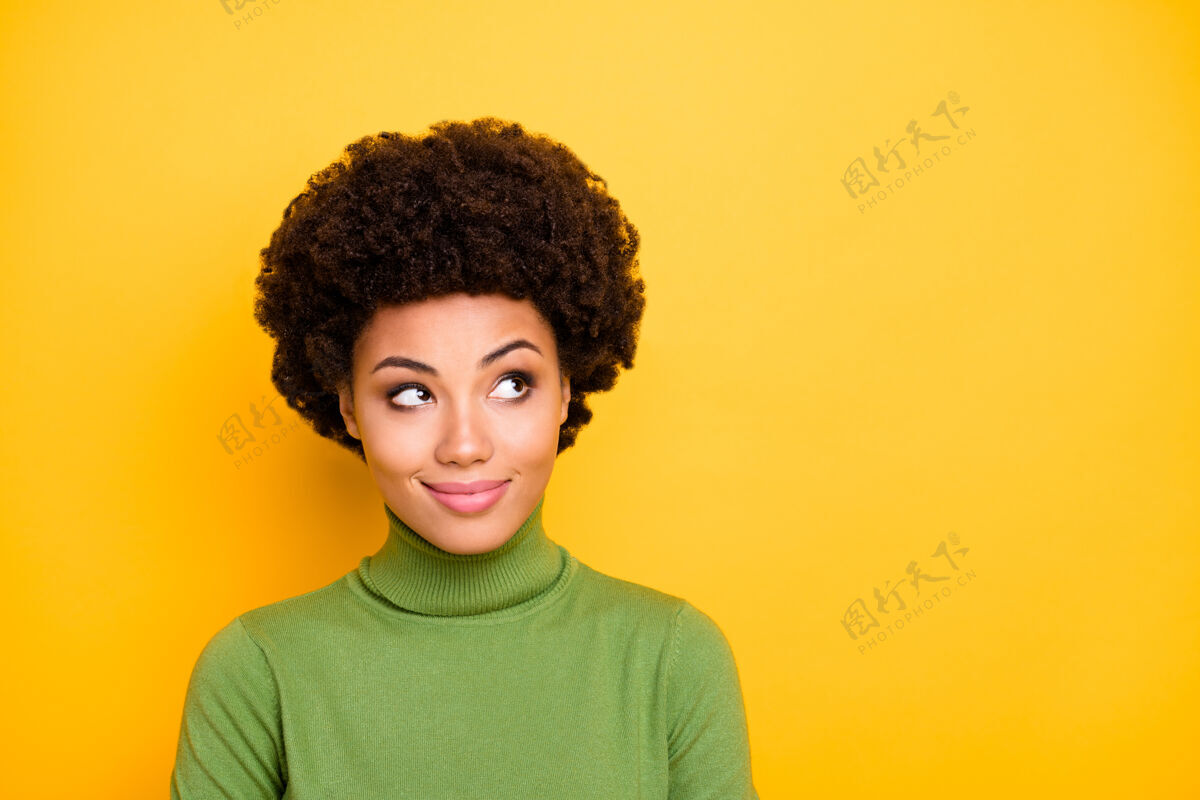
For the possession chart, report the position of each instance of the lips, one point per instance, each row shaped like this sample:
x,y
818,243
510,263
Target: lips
x,y
468,498
464,488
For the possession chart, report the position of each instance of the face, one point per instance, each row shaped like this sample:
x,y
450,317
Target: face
x,y
456,390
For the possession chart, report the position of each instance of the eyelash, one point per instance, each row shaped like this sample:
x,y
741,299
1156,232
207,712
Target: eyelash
x,y
521,375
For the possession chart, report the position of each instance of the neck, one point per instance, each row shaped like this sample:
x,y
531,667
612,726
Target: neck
x,y
418,576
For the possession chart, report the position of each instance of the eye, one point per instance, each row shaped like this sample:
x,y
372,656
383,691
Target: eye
x,y
412,391
522,380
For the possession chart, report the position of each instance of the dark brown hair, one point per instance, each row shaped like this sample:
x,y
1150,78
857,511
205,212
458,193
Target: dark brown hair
x,y
477,207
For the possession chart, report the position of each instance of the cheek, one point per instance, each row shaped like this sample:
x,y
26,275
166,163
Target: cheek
x,y
395,448
532,440
395,462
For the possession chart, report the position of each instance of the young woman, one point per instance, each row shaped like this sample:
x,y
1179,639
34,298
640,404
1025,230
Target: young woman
x,y
442,306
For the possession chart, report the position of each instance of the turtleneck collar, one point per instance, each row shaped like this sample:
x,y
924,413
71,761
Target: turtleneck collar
x,y
418,576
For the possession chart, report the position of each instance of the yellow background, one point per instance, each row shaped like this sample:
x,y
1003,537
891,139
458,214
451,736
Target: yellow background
x,y
1004,349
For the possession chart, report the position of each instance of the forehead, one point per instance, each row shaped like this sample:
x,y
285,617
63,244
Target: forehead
x,y
456,324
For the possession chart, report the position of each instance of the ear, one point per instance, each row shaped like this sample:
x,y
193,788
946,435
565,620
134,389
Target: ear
x,y
566,398
346,406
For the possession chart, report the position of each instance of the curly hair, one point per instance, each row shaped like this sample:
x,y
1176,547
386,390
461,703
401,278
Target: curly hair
x,y
477,207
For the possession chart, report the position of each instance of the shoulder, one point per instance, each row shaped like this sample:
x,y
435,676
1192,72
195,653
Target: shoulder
x,y
606,592
684,625
699,644
301,615
619,591
696,656
231,651
690,634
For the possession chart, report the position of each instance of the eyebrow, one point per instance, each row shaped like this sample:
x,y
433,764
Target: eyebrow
x,y
420,366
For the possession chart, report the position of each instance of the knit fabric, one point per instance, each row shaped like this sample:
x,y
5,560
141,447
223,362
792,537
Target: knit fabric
x,y
516,674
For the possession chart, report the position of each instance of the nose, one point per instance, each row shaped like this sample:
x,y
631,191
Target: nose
x,y
466,438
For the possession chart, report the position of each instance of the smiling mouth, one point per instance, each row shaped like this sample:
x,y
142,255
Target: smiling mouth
x,y
468,502
472,487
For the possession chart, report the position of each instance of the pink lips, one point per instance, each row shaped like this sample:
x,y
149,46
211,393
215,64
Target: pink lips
x,y
468,497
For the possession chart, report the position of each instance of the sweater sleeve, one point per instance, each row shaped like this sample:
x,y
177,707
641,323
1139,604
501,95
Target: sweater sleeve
x,y
231,738
708,745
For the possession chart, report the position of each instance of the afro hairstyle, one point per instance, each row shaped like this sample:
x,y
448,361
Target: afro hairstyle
x,y
477,207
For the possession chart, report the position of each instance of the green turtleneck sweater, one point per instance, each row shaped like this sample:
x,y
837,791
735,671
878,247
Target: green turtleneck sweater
x,y
519,673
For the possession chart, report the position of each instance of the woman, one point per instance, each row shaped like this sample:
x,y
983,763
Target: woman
x,y
443,305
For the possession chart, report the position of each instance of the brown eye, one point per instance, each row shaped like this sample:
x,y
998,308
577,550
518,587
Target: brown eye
x,y
520,380
410,391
